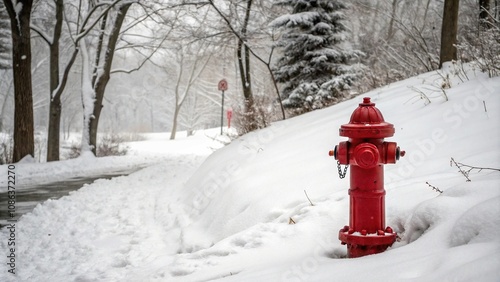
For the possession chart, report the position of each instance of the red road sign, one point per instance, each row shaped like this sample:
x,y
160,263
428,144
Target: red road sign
x,y
222,85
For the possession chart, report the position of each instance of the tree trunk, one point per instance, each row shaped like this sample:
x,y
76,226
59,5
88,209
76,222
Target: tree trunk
x,y
449,32
53,134
103,79
245,76
24,141
178,103
484,14
174,123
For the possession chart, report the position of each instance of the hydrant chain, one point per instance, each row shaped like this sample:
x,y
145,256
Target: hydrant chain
x,y
342,174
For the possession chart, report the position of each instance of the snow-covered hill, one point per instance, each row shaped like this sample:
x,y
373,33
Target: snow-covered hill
x,y
243,215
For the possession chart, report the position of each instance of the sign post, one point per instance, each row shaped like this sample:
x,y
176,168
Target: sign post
x,y
222,87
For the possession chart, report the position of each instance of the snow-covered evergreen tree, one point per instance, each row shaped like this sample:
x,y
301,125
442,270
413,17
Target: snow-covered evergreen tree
x,y
314,69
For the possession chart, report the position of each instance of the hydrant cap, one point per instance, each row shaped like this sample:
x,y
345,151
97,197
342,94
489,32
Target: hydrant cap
x,y
367,122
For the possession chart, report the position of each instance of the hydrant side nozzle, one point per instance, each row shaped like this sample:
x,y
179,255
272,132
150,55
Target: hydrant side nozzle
x,y
333,153
341,152
392,152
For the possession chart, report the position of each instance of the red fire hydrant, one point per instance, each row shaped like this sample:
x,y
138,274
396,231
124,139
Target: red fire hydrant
x,y
366,152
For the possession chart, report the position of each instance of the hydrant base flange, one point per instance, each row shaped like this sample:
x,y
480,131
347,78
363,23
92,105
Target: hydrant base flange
x,y
359,245
367,240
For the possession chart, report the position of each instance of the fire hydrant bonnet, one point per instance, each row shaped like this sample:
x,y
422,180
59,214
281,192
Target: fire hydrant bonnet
x,y
367,122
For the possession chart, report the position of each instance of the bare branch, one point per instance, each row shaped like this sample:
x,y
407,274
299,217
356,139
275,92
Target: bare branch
x,y
148,58
42,34
308,198
236,33
465,173
434,188
84,31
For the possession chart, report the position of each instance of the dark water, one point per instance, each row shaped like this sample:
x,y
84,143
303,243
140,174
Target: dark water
x,y
28,197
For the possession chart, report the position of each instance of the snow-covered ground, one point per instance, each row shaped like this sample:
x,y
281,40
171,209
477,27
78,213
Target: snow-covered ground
x,y
241,213
140,154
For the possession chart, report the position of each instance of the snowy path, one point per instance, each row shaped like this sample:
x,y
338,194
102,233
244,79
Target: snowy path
x,y
103,243
112,228
28,197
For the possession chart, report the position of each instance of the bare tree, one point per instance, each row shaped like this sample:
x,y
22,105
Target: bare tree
x,y
191,64
109,34
480,38
244,52
401,38
244,63
84,25
20,15
55,88
101,73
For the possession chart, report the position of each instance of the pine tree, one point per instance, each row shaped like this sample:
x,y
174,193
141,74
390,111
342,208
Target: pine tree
x,y
314,68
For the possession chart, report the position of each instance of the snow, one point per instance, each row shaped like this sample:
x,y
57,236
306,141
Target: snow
x,y
18,7
241,214
88,99
141,154
292,20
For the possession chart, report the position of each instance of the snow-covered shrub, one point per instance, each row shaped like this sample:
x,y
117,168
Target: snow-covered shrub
x,y
482,47
6,149
264,112
110,144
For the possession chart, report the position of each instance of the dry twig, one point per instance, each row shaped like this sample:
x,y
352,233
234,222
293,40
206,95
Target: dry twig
x,y
434,188
470,168
308,198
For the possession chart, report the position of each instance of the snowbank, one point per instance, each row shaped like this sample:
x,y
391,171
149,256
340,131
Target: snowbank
x,y
243,214
263,177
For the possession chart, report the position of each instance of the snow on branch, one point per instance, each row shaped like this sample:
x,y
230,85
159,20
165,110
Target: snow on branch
x,y
84,31
291,20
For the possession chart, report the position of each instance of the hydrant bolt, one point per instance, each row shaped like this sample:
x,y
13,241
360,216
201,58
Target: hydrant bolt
x,y
366,152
